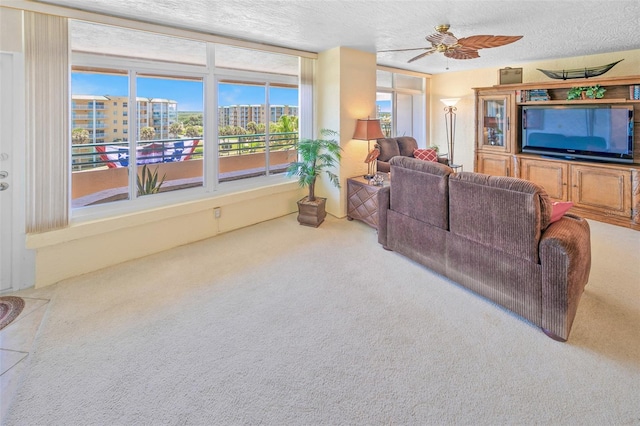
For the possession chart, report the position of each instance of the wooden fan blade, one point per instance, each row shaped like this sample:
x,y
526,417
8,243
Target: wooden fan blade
x,y
422,55
462,52
487,41
404,50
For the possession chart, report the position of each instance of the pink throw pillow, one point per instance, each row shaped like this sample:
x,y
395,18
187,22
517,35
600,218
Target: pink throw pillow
x,y
559,209
426,154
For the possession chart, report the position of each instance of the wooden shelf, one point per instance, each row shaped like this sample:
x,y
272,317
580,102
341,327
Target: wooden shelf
x,y
558,84
579,102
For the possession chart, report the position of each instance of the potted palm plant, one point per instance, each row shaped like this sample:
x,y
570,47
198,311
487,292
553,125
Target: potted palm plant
x,y
315,157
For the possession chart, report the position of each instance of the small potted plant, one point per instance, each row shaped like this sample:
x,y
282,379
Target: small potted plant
x,y
586,92
575,93
595,92
315,157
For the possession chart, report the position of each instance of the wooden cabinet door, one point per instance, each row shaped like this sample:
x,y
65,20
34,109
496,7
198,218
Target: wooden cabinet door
x,y
550,175
603,189
494,122
494,164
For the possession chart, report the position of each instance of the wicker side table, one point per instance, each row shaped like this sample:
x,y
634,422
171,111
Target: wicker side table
x,y
362,200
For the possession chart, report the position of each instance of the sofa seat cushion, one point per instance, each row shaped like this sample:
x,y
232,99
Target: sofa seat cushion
x,y
388,149
502,212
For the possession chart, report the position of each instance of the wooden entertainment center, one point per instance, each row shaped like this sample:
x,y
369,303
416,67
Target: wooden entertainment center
x,y
606,191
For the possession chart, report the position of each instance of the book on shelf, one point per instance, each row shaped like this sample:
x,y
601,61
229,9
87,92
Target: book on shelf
x,y
532,95
634,91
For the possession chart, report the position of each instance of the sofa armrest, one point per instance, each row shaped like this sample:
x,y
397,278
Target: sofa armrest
x,y
565,257
383,166
384,203
444,159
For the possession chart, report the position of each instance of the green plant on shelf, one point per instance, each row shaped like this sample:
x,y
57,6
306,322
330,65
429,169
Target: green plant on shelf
x,y
586,92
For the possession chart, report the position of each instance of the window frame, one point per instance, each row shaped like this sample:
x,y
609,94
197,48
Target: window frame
x,y
420,120
255,78
133,69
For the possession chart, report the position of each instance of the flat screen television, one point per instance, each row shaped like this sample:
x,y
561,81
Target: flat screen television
x,y
594,132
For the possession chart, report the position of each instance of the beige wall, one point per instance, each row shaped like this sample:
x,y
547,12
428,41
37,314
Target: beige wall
x,y
460,85
346,89
91,245
10,30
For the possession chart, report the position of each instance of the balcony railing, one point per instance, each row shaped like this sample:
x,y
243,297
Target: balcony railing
x,y
88,116
99,178
86,157
86,107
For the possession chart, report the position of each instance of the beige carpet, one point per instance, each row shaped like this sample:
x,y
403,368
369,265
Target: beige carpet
x,y
280,324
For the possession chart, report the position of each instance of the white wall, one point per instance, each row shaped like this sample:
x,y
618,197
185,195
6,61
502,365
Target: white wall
x,y
461,84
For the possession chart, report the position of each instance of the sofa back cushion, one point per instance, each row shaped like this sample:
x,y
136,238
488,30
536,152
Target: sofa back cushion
x,y
505,213
406,145
388,148
420,189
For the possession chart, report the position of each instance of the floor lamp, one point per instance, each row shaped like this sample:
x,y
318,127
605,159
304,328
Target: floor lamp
x,y
450,123
366,130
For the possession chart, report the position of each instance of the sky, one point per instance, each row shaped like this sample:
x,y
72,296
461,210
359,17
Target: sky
x,y
187,93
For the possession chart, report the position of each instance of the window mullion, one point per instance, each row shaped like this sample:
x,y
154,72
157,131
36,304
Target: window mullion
x,y
133,135
210,122
267,136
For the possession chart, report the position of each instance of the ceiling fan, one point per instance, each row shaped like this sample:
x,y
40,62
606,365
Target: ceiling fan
x,y
458,48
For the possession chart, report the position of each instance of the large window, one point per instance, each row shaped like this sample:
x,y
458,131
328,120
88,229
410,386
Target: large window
x,y
95,135
401,104
140,121
257,112
167,151
257,129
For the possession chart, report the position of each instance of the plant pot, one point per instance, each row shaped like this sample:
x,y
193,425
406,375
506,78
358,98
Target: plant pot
x,y
311,213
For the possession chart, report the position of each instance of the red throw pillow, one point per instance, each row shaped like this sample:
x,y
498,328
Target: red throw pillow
x,y
426,154
559,209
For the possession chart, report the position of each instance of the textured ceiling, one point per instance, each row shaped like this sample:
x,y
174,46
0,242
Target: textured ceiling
x,y
551,29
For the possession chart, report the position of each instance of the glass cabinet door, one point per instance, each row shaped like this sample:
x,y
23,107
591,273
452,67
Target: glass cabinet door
x,y
494,122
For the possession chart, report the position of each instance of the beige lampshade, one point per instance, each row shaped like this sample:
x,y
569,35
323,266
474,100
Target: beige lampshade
x,y
368,129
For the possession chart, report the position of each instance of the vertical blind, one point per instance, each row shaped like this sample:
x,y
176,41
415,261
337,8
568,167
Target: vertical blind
x,y
47,118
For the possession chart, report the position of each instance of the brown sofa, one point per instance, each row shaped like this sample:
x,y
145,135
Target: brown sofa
x,y
391,147
493,235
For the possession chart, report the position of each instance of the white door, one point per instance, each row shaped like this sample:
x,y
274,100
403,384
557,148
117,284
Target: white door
x,y
16,263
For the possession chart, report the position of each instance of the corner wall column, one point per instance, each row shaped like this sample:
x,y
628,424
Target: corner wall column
x,y
346,80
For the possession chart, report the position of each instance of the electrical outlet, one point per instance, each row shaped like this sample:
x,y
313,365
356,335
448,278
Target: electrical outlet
x,y
216,212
